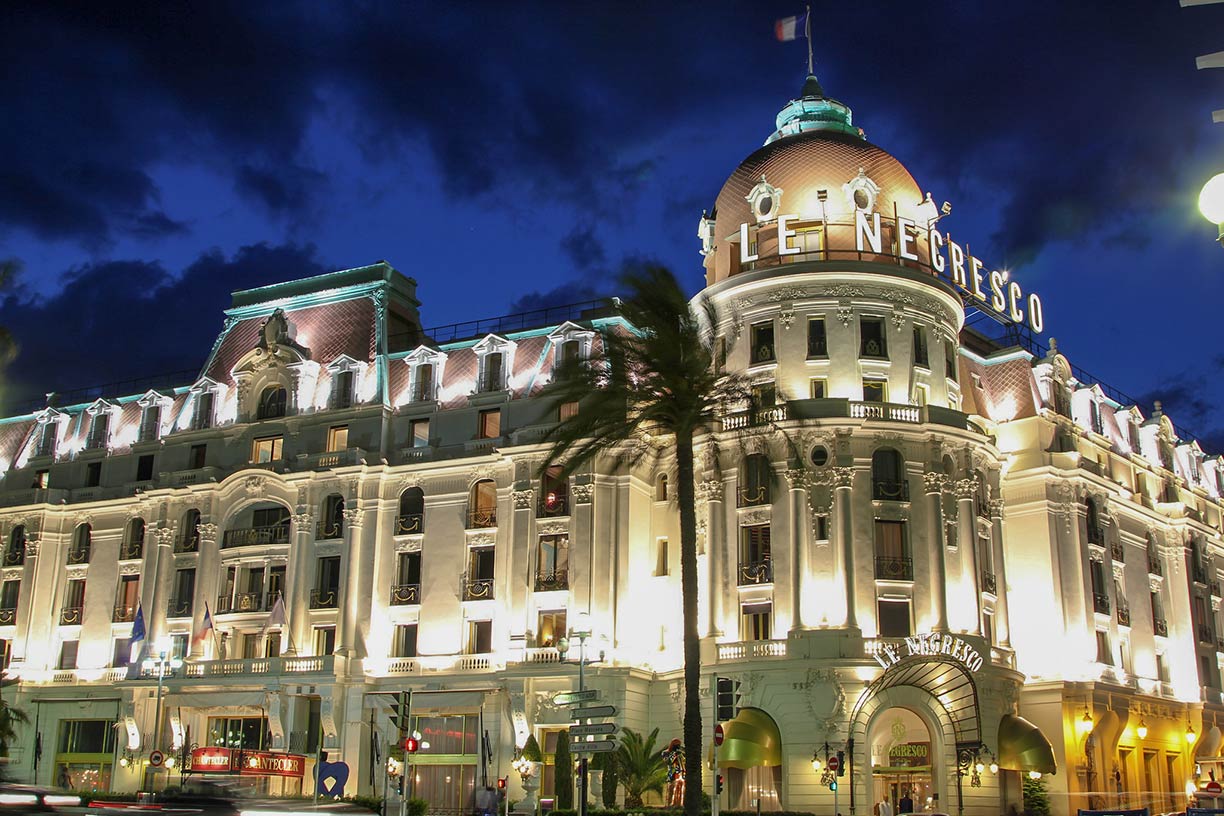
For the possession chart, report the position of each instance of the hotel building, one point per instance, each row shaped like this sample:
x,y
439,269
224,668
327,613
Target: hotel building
x,y
926,547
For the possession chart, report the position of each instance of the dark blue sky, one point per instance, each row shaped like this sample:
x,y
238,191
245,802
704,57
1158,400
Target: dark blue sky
x,y
507,154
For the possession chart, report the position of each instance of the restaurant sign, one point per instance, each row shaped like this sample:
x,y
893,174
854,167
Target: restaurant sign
x,y
218,760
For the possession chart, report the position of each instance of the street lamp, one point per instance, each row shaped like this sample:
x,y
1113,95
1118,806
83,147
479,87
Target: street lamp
x,y
970,762
1211,202
162,649
581,629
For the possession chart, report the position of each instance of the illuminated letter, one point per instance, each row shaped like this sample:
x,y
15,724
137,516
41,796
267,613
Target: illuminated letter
x,y
914,645
1013,295
784,234
884,664
1036,319
976,267
996,290
744,256
957,256
871,233
904,239
937,242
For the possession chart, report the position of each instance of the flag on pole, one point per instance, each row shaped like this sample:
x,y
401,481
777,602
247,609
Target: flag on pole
x,y
206,627
276,617
136,644
138,627
790,28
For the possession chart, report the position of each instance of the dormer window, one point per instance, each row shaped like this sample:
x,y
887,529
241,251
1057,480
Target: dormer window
x,y
423,383
425,367
152,406
492,372
495,358
569,353
342,389
204,403
49,422
99,425
572,344
346,376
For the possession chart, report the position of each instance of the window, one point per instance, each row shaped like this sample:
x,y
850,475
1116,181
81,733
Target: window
x,y
203,417
238,732
342,389
1104,653
661,567
411,517
127,597
272,645
755,556
6,653
817,339
93,474
569,353
922,394
661,487
121,653
764,396
888,479
480,637
82,545
950,361
1162,668
150,423
822,528
482,505
404,642
554,493
407,589
892,561
552,565
755,478
10,592
324,640
266,449
894,617
86,737
68,655
48,439
419,432
875,390
489,425
337,438
755,621
872,339
327,582
720,355
550,627
762,343
272,402
99,430
144,468
920,348
195,460
423,383
567,411
492,377
41,479
988,626
16,552
184,592
1094,416
819,388
480,573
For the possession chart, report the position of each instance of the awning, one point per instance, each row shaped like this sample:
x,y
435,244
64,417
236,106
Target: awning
x,y
1209,745
750,740
1022,746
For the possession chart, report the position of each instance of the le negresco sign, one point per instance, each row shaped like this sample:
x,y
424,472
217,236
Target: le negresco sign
x,y
932,644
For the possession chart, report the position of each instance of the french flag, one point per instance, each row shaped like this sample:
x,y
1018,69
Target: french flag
x,y
790,28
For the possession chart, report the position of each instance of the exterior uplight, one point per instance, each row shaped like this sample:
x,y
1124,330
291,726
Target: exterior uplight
x,y
1034,774
1211,202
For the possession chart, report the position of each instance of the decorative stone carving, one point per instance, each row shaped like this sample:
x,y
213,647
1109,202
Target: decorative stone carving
x,y
208,532
478,474
791,293
898,319
824,697
743,303
327,548
76,571
755,516
302,521
583,493
934,482
12,574
996,508
481,538
410,543
552,527
841,476
254,483
164,535
352,516
523,499
845,314
32,547
965,488
787,317
129,568
409,480
796,478
710,490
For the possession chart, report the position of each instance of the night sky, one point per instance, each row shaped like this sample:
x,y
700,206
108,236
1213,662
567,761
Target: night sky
x,y
513,154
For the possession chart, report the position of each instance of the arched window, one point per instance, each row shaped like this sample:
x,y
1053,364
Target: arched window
x,y
82,544
133,540
754,480
342,389
331,524
14,555
272,402
482,505
554,493
189,532
661,487
888,482
411,517
1093,523
423,385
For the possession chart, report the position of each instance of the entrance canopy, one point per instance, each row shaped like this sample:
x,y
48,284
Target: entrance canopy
x,y
1022,746
944,679
750,740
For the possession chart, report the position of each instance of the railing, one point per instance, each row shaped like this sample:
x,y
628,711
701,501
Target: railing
x,y
79,555
480,519
1100,603
71,615
755,572
888,568
131,550
745,649
1154,566
8,616
325,530
1124,618
1160,627
892,411
1198,573
890,490
544,654
410,523
553,504
1215,588
488,384
405,594
323,599
478,589
988,582
14,556
254,536
261,665
325,460
747,419
549,581
472,662
123,614
1205,635
188,542
1096,535
241,602
402,665
178,609
752,496
1117,552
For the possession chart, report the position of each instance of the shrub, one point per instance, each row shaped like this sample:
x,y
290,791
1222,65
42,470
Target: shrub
x,y
564,784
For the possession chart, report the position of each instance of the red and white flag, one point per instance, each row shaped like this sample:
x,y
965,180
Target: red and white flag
x,y
790,28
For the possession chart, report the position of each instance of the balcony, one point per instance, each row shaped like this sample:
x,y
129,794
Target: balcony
x,y
890,490
178,608
886,410
1096,535
1124,618
481,518
894,569
131,550
1205,635
1117,552
330,529
478,589
188,542
247,602
410,524
1100,603
324,598
550,581
1160,627
14,556
988,582
746,649
71,615
755,572
405,594
8,616
123,614
1198,573
1154,566
553,504
752,496
747,419
256,536
79,555
490,383
319,664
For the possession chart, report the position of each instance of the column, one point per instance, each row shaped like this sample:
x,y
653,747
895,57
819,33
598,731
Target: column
x,y
933,485
798,499
966,537
346,638
297,580
843,477
582,531
716,543
26,608
207,573
521,566
1002,627
163,574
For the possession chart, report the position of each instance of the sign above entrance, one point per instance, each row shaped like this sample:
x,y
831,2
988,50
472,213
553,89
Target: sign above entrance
x,y
931,644
214,759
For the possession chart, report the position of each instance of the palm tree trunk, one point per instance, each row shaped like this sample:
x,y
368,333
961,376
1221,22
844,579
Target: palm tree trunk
x,y
692,644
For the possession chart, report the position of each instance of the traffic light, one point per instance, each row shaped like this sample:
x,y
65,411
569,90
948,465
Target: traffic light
x,y
501,783
728,698
718,780
841,765
412,745
399,712
833,786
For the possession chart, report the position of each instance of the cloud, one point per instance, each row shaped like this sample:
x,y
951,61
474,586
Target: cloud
x,y
583,247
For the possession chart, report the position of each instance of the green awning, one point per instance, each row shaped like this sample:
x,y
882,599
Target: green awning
x,y
750,740
1022,746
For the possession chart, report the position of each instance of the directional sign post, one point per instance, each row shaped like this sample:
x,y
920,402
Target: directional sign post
x,y
592,730
572,697
598,747
594,712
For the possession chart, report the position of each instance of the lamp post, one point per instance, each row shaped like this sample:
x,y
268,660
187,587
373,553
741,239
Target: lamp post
x,y
163,659
1211,203
581,630
972,762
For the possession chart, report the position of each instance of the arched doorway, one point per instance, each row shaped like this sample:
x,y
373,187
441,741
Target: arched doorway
x,y
751,757
902,754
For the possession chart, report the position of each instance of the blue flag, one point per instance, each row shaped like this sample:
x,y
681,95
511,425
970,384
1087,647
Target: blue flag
x,y
138,627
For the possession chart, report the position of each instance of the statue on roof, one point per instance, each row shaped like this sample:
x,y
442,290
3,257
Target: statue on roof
x,y
275,330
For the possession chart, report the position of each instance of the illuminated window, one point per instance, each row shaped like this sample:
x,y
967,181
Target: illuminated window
x,y
489,424
337,438
238,732
892,558
272,402
756,621
873,342
492,374
762,350
266,449
41,479
324,640
819,388
482,505
894,617
755,556
554,493
661,566
552,563
817,338
875,390
550,627
921,358
568,410
419,432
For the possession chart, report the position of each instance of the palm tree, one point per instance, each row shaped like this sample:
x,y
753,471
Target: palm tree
x,y
9,717
641,766
657,380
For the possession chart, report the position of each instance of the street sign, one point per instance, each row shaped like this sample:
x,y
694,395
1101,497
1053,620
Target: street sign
x,y
718,734
594,712
593,729
833,764
156,758
1213,787
571,697
599,747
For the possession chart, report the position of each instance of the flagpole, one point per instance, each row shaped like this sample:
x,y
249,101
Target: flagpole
x,y
807,32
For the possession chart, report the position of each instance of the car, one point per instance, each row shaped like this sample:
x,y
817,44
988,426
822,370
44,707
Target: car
x,y
33,799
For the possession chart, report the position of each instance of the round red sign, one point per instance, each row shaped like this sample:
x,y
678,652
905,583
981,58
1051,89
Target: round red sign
x,y
833,763
718,734
1214,788
156,758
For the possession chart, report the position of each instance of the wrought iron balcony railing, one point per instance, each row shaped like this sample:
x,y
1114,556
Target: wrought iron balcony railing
x,y
14,556
553,504
79,555
8,616
549,581
892,568
253,536
188,542
1154,566
1100,603
1198,573
1215,588
481,518
488,383
753,496
1124,618
247,602
123,614
477,589
410,523
988,582
131,550
1205,635
71,615
329,529
1117,552
405,594
324,598
890,490
179,608
1160,627
755,572
1096,535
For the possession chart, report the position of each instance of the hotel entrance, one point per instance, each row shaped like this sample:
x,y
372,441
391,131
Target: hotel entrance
x,y
901,763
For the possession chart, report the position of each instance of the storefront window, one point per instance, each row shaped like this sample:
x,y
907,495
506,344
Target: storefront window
x,y
444,770
238,732
83,755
